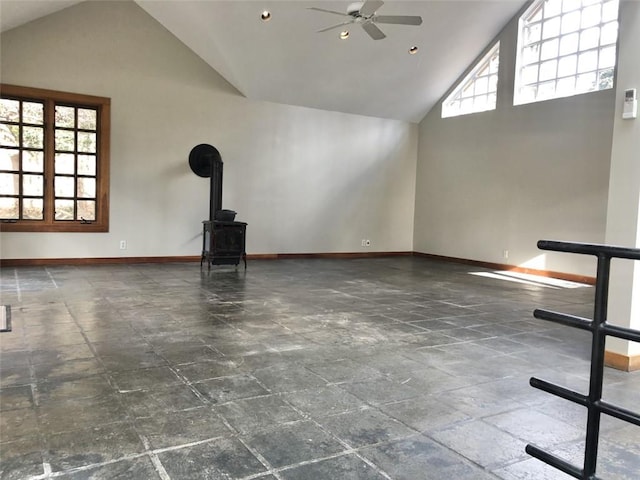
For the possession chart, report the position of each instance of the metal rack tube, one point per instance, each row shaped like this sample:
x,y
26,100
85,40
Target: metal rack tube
x,y
599,330
590,249
563,319
596,377
554,461
558,391
619,412
621,332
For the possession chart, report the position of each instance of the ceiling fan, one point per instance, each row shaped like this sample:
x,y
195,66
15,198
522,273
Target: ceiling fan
x,y
364,14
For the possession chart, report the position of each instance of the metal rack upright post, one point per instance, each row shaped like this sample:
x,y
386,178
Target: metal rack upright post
x,y
599,329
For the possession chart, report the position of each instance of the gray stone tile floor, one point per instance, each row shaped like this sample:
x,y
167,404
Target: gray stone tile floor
x,y
390,368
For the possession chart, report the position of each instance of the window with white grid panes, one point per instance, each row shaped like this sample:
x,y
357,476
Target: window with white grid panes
x,y
477,92
566,47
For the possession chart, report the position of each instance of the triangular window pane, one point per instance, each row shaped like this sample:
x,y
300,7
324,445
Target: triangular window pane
x,y
478,90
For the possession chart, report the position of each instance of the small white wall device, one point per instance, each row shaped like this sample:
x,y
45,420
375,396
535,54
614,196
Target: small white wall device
x,y
630,109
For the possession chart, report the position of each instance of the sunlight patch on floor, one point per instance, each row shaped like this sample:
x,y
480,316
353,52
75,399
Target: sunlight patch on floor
x,y
529,279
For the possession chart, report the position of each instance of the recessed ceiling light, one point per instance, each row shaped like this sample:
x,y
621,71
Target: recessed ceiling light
x,y
266,16
413,50
344,34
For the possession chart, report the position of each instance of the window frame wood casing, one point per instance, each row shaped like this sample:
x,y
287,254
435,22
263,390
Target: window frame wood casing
x,y
51,98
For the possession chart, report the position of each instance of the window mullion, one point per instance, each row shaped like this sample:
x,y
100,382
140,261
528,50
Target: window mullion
x,y
20,162
49,161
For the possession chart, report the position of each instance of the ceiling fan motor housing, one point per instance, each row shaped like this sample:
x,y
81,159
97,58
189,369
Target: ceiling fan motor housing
x,y
354,9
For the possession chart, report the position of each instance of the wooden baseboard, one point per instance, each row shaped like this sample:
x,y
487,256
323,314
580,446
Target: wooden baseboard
x,y
34,262
289,256
37,262
512,268
627,363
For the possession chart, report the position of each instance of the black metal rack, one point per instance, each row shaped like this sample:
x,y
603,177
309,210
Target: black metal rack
x,y
599,329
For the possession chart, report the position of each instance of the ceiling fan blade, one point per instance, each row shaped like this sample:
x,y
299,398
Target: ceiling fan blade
x,y
370,6
342,14
398,19
334,26
373,31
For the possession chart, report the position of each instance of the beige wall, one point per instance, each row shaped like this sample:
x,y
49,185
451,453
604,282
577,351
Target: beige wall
x,y
623,216
504,179
305,180
308,180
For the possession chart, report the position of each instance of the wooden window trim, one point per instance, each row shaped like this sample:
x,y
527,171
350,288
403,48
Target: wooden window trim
x,y
103,107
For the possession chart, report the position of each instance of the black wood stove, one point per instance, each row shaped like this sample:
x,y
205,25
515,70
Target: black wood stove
x,y
223,239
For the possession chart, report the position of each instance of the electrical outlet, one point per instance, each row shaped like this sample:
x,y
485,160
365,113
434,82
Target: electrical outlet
x,y
364,242
123,244
505,254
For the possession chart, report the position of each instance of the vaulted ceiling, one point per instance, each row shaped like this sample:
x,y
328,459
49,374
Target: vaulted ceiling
x,y
286,60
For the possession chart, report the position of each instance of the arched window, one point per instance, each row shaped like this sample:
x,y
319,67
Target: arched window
x,y
565,47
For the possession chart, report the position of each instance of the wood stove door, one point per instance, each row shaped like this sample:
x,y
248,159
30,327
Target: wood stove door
x,y
224,243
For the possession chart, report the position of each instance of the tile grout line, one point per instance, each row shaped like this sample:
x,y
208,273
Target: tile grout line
x,y
157,464
51,474
19,291
301,464
35,395
349,448
155,460
455,452
229,320
55,284
254,452
207,402
261,459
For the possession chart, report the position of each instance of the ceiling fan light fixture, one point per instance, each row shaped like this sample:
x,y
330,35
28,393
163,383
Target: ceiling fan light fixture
x,y
413,50
344,34
265,16
365,14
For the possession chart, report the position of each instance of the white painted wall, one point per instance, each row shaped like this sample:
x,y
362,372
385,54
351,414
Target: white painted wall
x,y
623,217
502,180
305,180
